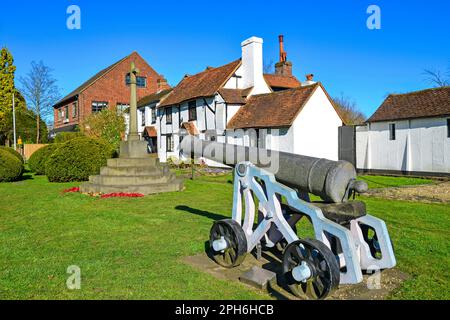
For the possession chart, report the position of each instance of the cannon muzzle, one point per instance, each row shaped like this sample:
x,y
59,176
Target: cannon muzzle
x,y
332,181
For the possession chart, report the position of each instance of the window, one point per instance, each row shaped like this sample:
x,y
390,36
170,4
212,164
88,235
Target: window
x,y
392,131
448,128
141,82
122,107
153,115
59,114
66,114
192,110
99,106
74,110
143,117
169,143
169,115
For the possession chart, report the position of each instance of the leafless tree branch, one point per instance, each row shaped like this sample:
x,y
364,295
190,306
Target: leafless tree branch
x,y
40,90
349,110
437,77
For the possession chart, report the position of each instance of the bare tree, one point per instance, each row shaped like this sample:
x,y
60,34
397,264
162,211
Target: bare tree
x,y
349,110
437,77
269,67
41,92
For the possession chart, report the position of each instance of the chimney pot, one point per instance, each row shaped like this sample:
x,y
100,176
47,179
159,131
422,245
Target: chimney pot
x,y
283,54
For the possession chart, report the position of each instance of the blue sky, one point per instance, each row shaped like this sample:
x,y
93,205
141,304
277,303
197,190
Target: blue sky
x,y
327,38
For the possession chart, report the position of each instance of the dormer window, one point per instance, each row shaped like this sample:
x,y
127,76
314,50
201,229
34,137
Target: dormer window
x,y
141,82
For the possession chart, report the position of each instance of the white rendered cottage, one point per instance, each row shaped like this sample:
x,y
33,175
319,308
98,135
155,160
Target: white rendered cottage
x,y
409,133
238,103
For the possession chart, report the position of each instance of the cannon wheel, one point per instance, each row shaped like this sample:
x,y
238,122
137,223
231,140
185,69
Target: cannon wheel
x,y
236,249
282,244
322,263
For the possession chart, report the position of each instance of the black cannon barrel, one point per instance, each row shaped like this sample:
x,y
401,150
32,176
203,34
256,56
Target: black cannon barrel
x,y
333,181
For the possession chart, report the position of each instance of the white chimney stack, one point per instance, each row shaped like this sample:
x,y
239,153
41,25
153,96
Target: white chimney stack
x,y
252,65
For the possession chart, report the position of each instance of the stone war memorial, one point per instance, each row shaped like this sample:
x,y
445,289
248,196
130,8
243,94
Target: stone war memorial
x,y
135,171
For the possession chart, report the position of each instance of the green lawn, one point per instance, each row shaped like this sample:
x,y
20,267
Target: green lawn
x,y
391,181
132,248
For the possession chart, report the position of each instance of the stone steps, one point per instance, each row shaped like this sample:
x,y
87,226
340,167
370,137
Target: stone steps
x,y
133,162
146,189
133,175
113,180
134,171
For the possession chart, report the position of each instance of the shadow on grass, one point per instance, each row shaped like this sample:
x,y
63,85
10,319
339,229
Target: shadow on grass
x,y
25,176
203,213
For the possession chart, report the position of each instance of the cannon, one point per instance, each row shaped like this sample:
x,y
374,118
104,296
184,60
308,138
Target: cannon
x,y
269,200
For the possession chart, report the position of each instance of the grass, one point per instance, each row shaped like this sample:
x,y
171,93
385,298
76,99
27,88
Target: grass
x,y
391,181
132,248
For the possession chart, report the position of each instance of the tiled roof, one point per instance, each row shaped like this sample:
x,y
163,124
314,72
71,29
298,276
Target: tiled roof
x,y
154,97
419,104
235,96
279,81
151,131
203,84
190,128
91,81
276,109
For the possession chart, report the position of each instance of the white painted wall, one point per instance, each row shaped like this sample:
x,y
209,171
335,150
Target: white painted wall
x,y
235,82
420,145
316,128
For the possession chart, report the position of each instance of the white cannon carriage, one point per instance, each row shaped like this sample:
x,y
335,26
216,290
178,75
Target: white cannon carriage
x,y
347,241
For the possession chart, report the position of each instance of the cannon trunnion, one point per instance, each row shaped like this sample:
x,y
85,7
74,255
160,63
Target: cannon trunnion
x,y
347,240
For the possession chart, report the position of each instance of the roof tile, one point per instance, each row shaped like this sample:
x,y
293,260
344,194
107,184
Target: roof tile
x,y
419,104
203,84
279,81
276,109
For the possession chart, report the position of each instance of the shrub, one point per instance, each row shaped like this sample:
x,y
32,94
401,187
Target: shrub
x,y
77,159
108,125
66,136
13,152
10,167
38,159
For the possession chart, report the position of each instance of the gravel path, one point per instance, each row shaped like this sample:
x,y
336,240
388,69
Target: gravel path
x,y
431,193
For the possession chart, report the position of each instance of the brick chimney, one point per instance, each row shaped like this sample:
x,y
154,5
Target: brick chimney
x,y
162,84
283,67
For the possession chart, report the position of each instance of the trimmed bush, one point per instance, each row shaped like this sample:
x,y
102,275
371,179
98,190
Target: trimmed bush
x,y
77,159
13,152
10,167
39,158
67,136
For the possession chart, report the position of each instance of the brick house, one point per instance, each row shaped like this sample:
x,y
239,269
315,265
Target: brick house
x,y
107,89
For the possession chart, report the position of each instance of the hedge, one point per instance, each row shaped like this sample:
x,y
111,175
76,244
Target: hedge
x,y
39,158
67,136
11,168
13,152
77,159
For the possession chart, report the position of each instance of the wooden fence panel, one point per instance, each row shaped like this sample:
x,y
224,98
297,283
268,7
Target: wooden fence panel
x,y
29,149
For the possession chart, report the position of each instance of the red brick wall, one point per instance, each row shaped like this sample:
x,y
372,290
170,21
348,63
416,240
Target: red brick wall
x,y
111,88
